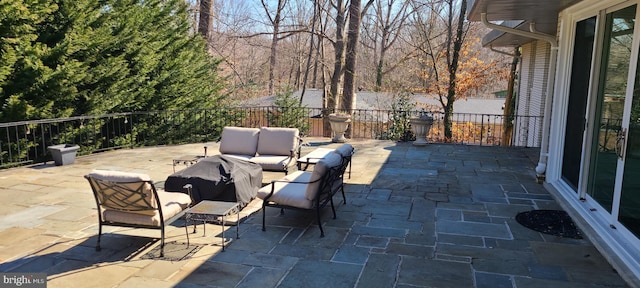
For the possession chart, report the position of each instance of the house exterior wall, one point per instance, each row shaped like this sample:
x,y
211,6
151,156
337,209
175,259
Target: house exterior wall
x,y
620,247
532,93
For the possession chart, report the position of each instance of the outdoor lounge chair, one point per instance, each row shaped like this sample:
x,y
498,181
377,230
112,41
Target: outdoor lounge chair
x,y
131,200
307,190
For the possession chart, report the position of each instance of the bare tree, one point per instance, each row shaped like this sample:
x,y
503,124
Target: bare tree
x,y
311,45
338,47
454,45
263,43
275,23
509,103
390,20
355,18
440,38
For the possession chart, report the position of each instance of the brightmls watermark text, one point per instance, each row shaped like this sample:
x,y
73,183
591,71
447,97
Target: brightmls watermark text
x,y
23,280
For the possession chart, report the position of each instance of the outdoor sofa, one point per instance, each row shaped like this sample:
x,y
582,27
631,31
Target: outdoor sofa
x,y
274,148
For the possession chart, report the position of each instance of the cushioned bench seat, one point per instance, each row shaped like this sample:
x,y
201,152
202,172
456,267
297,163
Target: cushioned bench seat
x,y
274,148
307,190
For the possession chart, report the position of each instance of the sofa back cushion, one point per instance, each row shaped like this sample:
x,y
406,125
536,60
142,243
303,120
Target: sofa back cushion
x,y
331,160
345,150
277,140
239,141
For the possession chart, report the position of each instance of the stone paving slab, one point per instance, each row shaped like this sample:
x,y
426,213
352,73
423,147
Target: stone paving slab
x,y
313,273
435,216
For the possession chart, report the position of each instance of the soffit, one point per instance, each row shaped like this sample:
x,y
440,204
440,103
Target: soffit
x,y
518,14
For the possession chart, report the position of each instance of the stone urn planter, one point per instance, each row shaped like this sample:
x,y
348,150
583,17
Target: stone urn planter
x,y
420,126
339,124
63,154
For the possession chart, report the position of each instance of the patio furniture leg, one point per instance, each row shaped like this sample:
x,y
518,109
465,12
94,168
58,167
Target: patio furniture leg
x,y
264,215
186,231
99,236
319,222
162,241
333,208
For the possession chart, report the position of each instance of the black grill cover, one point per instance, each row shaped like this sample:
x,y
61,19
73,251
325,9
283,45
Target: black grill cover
x,y
219,178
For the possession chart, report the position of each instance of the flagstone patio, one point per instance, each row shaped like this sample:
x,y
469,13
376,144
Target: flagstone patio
x,y
435,216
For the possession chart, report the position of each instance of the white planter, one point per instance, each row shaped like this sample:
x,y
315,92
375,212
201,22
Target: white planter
x,y
420,127
63,154
339,124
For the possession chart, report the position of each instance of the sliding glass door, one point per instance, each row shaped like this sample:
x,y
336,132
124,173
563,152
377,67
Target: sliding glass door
x,y
578,96
629,211
604,110
609,107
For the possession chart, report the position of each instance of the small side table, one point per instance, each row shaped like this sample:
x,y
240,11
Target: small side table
x,y
187,160
209,211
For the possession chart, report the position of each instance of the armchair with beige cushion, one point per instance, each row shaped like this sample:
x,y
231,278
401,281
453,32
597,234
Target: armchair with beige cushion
x,y
132,200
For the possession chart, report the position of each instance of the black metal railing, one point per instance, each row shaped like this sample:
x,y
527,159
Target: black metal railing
x,y
26,142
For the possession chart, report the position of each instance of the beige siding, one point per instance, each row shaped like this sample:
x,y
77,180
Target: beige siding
x,y
531,94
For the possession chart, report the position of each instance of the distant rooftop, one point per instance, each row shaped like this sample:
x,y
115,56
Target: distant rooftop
x,y
382,101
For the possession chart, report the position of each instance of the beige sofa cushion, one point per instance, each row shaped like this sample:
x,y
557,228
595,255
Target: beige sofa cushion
x,y
119,176
272,162
305,176
315,155
289,194
239,140
241,157
301,195
331,160
277,140
345,150
172,204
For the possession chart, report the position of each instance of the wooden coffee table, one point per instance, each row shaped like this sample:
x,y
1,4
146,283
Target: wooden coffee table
x,y
210,211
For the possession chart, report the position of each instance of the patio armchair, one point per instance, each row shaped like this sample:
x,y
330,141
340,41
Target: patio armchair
x,y
132,200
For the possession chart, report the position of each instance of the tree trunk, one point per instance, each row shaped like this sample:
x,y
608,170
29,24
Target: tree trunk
x,y
275,22
339,57
350,61
453,64
306,71
206,18
316,62
380,66
509,103
383,43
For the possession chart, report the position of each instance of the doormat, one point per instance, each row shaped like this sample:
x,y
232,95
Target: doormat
x,y
173,251
552,222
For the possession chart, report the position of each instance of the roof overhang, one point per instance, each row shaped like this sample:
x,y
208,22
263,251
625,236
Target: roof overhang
x,y
518,14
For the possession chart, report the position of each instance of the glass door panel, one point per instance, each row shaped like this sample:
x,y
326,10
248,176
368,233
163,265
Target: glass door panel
x,y
578,95
629,214
612,84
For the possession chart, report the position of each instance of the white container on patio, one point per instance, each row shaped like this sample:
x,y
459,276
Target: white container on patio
x,y
339,124
63,154
420,126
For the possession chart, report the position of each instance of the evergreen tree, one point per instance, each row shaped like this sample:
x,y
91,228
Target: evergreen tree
x,y
21,55
77,57
288,112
